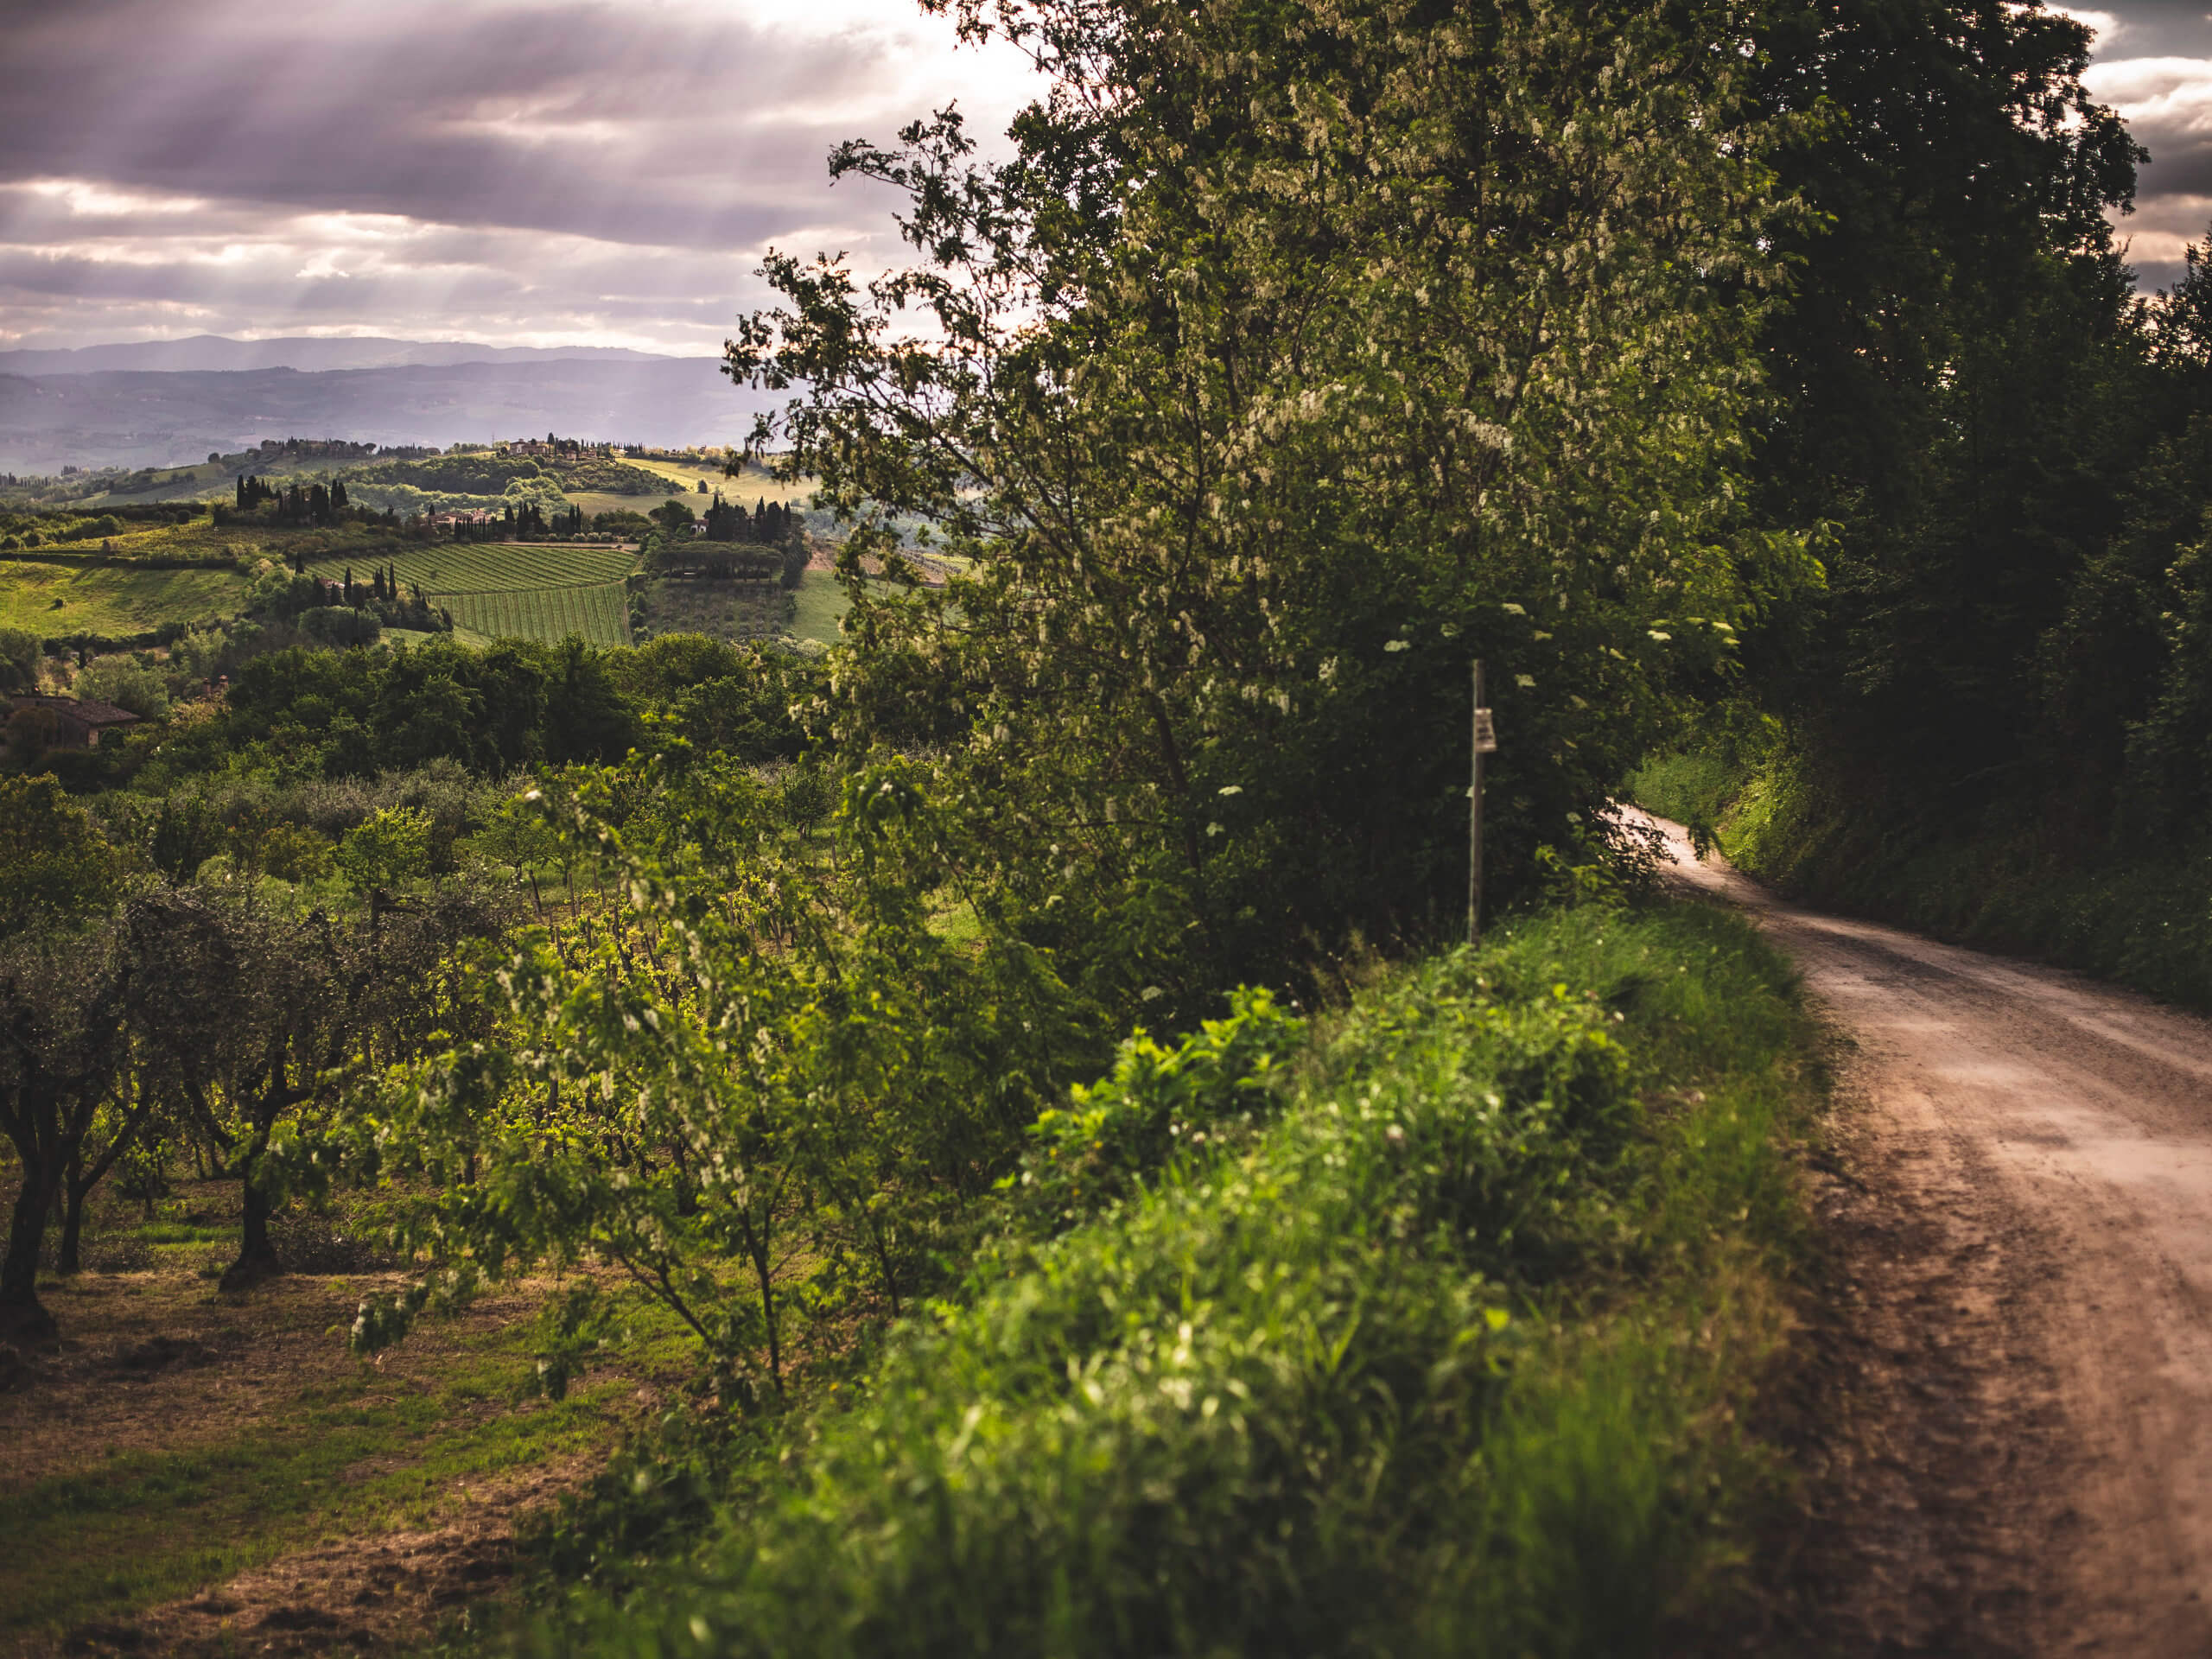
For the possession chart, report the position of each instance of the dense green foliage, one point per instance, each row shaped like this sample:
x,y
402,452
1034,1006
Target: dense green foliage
x,y
1338,1367
2052,801
1245,436
469,473
2011,459
349,714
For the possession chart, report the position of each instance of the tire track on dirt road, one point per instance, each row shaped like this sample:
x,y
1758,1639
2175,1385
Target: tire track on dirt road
x,y
2022,1354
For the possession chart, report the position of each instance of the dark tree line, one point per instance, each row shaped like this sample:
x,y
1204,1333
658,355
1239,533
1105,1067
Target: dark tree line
x,y
2007,450
770,522
317,504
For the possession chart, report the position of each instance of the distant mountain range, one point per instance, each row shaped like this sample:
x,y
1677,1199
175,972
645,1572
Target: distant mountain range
x,y
141,417
305,352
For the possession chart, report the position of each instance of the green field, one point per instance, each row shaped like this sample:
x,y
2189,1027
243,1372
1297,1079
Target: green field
x,y
600,612
208,481
199,539
110,598
487,566
822,605
750,486
594,502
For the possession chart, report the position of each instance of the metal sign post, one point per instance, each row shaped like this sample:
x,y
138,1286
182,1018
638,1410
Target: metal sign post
x,y
1485,743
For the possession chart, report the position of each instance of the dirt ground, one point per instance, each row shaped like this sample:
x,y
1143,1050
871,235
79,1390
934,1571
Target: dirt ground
x,y
367,1596
2008,1451
158,1364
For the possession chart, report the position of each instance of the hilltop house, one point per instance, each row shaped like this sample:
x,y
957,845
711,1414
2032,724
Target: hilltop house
x,y
66,722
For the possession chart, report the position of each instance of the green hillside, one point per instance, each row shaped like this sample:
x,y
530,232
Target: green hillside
x,y
56,600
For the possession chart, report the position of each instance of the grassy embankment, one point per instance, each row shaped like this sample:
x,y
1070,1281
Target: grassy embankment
x,y
1446,1343
2142,921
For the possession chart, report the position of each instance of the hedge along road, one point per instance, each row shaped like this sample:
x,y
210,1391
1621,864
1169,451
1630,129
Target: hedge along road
x,y
2019,1369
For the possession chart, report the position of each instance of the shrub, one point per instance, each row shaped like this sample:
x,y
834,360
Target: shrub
x,y
340,625
126,683
20,651
387,850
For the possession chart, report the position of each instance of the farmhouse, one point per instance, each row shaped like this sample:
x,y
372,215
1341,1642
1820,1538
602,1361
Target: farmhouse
x,y
65,722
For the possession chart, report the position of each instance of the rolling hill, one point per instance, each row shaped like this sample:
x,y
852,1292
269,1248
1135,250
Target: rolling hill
x,y
140,417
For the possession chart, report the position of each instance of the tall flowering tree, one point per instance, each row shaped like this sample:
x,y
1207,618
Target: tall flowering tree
x,y
1301,354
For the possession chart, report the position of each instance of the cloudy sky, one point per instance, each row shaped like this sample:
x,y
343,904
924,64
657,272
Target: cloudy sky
x,y
527,172
2154,65
571,172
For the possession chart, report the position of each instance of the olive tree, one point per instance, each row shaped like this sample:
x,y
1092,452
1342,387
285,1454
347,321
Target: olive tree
x,y
64,999
265,1017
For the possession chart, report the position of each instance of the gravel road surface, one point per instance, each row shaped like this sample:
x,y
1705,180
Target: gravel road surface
x,y
2019,1194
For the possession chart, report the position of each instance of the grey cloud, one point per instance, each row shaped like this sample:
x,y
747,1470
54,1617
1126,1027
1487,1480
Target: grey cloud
x,y
499,169
2152,62
647,127
2154,27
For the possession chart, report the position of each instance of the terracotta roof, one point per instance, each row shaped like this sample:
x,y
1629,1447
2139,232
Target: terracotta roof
x,y
90,711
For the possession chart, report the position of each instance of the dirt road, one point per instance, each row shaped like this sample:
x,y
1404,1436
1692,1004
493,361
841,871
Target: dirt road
x,y
2021,1207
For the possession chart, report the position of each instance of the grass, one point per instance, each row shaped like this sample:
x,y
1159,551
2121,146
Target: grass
x,y
111,599
751,484
199,539
140,1528
123,1486
1444,1345
820,606
594,502
207,481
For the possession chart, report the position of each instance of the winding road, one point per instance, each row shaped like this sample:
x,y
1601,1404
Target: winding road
x,y
2017,1192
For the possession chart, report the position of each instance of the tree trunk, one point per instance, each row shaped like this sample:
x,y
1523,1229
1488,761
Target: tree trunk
x,y
21,1314
257,1254
74,1189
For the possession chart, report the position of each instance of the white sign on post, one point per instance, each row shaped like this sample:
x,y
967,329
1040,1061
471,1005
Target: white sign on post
x,y
1485,733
